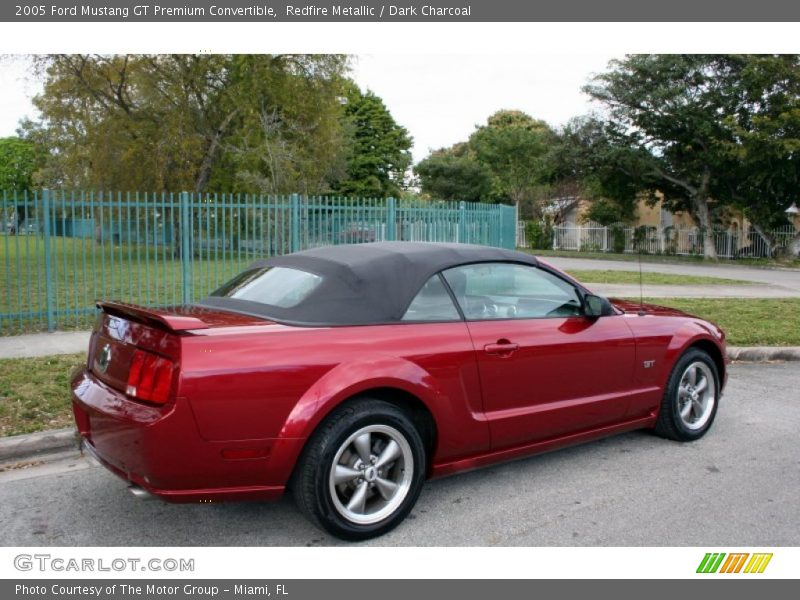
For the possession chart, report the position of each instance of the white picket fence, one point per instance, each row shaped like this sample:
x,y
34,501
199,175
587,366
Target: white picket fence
x,y
661,240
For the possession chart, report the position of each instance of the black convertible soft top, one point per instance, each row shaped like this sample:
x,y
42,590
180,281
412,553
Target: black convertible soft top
x,y
364,283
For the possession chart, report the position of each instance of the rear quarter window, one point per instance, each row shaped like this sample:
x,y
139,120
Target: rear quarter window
x,y
275,286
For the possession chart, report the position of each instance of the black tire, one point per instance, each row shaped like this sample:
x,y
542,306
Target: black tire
x,y
671,424
323,502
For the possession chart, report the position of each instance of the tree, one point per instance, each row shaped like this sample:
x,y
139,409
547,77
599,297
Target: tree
x,y
665,116
454,174
709,131
505,160
19,159
764,154
172,122
607,212
514,147
379,149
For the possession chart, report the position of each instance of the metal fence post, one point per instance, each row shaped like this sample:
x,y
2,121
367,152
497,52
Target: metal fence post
x,y
48,264
294,236
391,219
186,246
462,222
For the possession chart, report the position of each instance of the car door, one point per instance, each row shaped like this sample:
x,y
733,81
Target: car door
x,y
546,370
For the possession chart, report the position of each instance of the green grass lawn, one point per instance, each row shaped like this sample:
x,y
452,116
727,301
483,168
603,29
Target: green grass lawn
x,y
34,391
632,277
746,321
83,271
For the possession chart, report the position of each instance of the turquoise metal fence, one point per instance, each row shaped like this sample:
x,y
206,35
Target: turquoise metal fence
x,y
62,250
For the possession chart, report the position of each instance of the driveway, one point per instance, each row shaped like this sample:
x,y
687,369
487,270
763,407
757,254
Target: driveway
x,y
736,487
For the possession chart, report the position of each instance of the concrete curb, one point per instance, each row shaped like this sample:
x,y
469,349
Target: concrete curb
x,y
18,447
763,353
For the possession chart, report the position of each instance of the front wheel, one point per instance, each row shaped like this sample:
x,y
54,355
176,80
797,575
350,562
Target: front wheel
x,y
362,470
691,398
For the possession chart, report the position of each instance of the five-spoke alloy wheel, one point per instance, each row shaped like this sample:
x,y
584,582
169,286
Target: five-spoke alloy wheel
x,y
362,471
691,398
372,474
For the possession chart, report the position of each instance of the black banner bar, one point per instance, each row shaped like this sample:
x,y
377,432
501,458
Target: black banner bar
x,y
398,589
408,11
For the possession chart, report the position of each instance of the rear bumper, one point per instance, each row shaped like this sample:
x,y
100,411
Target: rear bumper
x,y
160,449
189,495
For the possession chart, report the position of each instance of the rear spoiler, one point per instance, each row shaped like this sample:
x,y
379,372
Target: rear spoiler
x,y
160,318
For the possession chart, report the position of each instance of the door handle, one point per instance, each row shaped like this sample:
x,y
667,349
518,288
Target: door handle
x,y
501,348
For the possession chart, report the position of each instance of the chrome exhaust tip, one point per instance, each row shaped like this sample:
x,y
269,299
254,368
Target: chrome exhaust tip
x,y
140,492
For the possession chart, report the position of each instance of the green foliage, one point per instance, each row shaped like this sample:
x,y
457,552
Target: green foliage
x,y
191,122
670,239
380,149
605,212
514,147
448,176
539,234
589,151
641,235
763,151
617,238
707,130
19,159
505,160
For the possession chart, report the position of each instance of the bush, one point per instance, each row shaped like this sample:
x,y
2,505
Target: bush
x,y
617,238
641,236
539,234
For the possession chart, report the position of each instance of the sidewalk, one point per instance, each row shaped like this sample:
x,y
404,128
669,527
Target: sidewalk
x,y
44,344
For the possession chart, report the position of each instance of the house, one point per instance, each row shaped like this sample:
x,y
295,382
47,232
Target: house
x,y
735,235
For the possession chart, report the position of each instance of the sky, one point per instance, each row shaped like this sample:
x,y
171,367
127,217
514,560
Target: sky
x,y
439,98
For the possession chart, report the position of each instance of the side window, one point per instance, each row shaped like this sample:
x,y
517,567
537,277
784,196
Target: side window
x,y
509,291
432,303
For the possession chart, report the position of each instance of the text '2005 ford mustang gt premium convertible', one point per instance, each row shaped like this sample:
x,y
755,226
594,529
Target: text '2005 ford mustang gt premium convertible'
x,y
352,373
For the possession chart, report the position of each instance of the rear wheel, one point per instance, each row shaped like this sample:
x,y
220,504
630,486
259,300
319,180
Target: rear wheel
x,y
691,398
362,470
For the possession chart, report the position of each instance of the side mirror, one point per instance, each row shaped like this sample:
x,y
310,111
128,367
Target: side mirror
x,y
596,306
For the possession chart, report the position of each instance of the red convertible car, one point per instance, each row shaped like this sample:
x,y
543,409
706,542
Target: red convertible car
x,y
350,374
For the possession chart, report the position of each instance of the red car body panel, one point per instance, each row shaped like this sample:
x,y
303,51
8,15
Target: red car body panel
x,y
249,392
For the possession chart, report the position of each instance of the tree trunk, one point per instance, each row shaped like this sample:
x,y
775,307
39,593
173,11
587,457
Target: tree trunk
x,y
703,216
208,159
768,238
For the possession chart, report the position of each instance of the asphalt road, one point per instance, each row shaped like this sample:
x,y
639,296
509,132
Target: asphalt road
x,y
736,487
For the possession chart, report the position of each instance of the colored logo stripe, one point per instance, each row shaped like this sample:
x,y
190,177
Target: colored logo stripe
x,y
710,562
758,563
733,564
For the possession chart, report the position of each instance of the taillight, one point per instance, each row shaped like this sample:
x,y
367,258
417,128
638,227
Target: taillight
x,y
150,377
